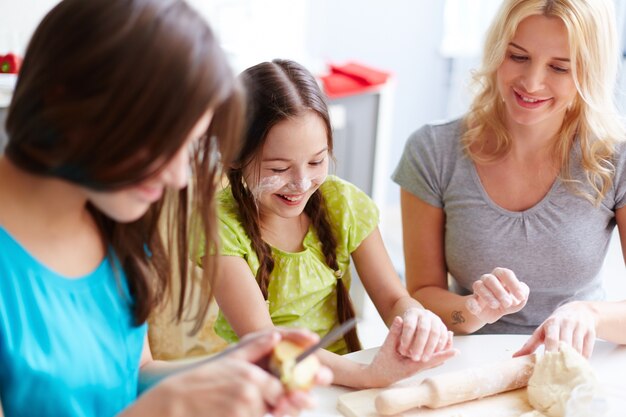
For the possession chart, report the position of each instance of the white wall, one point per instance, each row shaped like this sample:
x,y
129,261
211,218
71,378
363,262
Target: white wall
x,y
18,19
403,37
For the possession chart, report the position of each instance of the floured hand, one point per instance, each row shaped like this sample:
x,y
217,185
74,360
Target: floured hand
x,y
572,323
497,294
422,334
389,366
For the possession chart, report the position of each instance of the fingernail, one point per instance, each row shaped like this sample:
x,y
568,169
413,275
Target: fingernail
x,y
473,306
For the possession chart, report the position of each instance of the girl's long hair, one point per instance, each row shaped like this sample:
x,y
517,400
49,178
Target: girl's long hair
x,y
108,93
277,91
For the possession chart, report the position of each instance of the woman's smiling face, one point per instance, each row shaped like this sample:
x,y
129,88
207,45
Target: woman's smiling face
x,y
535,79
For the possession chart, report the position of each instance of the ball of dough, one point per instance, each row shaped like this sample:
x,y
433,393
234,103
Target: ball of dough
x,y
562,382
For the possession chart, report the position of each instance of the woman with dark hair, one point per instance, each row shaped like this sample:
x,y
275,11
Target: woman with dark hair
x,y
288,231
116,102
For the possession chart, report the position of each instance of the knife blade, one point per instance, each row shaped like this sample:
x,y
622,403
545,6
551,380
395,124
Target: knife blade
x,y
148,380
335,333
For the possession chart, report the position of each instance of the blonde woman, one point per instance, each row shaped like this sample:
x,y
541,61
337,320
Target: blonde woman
x,y
521,195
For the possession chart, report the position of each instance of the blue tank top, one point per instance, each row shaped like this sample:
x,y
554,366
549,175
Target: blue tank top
x,y
68,347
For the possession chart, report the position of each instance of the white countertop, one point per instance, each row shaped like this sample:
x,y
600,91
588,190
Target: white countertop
x,y
608,360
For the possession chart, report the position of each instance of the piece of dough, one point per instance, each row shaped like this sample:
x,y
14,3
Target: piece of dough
x,y
563,383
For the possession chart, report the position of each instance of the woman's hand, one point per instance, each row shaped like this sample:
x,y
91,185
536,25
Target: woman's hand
x,y
572,323
423,334
389,365
497,294
232,386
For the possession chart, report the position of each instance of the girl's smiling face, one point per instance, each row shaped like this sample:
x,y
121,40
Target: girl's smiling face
x,y
535,79
292,166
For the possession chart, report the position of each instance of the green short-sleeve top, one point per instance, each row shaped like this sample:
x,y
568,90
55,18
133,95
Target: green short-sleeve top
x,y
302,288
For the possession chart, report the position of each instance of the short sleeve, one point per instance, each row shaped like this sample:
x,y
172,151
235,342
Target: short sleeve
x,y
619,182
230,243
352,213
233,240
417,172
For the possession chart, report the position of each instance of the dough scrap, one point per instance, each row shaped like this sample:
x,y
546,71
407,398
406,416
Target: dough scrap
x,y
564,384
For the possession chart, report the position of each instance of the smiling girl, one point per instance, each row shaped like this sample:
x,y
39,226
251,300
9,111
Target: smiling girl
x,y
288,231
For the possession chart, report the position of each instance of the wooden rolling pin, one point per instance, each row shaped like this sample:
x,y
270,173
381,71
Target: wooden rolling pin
x,y
459,386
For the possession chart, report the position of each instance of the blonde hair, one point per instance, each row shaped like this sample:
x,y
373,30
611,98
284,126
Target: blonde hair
x,y
592,117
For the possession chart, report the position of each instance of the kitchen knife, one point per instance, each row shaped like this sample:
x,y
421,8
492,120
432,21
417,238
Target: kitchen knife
x,y
335,333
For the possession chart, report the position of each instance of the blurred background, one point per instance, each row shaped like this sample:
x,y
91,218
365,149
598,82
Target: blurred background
x,y
428,47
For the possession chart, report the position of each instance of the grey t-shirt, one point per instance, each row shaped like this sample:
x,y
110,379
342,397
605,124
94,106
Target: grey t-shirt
x,y
556,247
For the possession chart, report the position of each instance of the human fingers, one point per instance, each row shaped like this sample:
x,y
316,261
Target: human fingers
x,y
484,292
497,288
445,341
293,403
324,376
438,358
255,346
515,288
421,335
393,337
254,388
438,336
578,339
552,333
566,330
522,296
300,336
301,400
531,344
588,343
475,304
410,320
450,341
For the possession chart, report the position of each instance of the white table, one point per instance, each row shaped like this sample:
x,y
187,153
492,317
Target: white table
x,y
608,360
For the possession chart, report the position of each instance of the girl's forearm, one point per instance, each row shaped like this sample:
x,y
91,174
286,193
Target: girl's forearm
x,y
346,372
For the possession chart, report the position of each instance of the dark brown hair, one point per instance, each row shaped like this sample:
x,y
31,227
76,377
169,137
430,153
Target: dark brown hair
x,y
277,91
108,93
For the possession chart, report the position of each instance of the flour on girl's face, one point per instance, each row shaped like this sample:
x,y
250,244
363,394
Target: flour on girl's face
x,y
277,184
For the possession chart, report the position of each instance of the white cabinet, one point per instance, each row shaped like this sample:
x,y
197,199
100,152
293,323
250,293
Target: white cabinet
x,y
362,137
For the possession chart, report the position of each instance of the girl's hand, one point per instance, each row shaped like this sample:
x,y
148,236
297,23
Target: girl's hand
x,y
423,334
390,366
572,323
497,294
